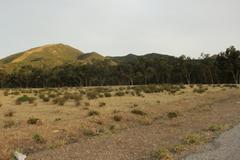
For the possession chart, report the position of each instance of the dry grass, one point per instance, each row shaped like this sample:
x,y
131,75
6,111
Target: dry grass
x,y
101,109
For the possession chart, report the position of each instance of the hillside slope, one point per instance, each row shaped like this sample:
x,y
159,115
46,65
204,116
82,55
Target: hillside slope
x,y
52,55
49,55
132,57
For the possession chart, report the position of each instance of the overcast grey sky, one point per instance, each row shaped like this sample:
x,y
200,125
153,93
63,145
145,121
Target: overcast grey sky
x,y
119,27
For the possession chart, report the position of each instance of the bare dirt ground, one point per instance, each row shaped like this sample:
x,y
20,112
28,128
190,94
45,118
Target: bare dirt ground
x,y
76,135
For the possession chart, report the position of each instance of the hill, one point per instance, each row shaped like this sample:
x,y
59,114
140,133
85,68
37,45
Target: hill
x,y
132,57
52,55
90,57
49,55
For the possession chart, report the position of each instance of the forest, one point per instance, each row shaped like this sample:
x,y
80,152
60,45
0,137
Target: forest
x,y
152,69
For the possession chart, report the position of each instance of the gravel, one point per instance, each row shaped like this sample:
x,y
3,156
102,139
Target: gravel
x,y
226,147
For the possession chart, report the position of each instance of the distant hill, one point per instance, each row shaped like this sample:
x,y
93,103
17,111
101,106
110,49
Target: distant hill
x,y
132,57
90,56
58,54
49,55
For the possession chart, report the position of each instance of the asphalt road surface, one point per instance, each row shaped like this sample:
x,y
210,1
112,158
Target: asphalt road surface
x,y
226,147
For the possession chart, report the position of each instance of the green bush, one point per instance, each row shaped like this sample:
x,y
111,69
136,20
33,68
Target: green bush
x,y
25,98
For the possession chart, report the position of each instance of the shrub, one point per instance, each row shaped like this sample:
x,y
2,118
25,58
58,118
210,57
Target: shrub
x,y
100,95
9,113
119,94
93,113
46,99
117,118
135,105
121,88
59,101
230,85
25,98
191,85
193,138
133,93
38,138
41,96
102,104
32,120
87,104
5,93
216,128
89,132
18,102
178,148
162,154
92,95
52,95
107,94
31,100
138,112
112,127
57,119
182,86
200,90
8,124
172,115
115,111
1,104
15,93
82,92
77,103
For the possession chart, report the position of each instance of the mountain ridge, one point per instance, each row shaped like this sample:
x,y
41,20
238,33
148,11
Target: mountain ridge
x,y
52,55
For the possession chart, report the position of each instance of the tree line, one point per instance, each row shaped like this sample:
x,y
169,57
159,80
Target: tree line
x,y
221,68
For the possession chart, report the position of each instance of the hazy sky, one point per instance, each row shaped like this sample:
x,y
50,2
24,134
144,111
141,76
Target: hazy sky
x,y
119,27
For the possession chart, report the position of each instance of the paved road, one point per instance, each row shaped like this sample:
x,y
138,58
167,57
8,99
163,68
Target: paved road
x,y
226,147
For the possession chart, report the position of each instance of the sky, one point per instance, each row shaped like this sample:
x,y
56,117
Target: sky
x,y
120,27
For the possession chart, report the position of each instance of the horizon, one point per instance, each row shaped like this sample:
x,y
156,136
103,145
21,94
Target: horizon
x,y
127,27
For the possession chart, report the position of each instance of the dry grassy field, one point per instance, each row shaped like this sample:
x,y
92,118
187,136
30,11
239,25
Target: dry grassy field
x,y
34,120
